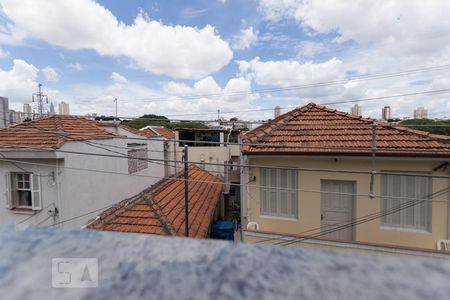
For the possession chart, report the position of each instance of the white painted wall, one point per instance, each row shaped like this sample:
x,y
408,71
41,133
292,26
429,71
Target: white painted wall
x,y
208,155
81,191
48,191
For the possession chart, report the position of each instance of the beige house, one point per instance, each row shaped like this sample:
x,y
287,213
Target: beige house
x,y
319,174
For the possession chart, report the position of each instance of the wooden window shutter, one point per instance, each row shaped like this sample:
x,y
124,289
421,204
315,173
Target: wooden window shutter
x,y
36,197
9,190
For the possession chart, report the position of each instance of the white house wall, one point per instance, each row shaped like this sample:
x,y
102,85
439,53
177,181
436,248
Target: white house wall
x,y
48,191
86,191
79,192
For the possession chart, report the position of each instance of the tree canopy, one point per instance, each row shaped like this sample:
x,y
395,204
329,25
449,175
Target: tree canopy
x,y
156,120
429,125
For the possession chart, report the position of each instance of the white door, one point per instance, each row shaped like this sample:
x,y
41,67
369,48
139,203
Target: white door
x,y
337,209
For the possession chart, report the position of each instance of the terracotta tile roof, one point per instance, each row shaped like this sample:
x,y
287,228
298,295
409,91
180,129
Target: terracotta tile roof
x,y
316,129
165,132
51,132
160,208
135,131
155,131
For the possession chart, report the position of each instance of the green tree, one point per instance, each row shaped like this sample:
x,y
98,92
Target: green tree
x,y
428,125
156,120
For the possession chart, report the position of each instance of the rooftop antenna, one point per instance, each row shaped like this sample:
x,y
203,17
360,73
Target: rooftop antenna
x,y
39,97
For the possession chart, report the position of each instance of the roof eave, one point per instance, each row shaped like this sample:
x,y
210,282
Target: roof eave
x,y
368,154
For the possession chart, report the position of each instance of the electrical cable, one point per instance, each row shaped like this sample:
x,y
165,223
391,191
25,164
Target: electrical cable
x,y
390,150
428,92
214,182
294,87
409,204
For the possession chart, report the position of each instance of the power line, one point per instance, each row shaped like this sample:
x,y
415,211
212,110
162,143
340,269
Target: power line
x,y
292,87
204,181
429,92
269,145
28,218
289,168
368,124
358,221
123,156
214,182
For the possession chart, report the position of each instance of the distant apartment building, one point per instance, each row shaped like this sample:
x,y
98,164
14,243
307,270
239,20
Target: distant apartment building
x,y
63,108
4,112
356,110
276,111
27,111
52,109
420,113
386,113
14,117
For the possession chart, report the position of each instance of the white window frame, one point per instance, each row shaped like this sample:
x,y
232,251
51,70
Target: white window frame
x,y
273,189
422,187
23,189
12,189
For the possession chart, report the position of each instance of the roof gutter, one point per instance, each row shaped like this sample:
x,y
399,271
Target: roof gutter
x,y
318,155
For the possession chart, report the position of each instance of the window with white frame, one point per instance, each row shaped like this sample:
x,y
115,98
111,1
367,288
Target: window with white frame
x,y
406,201
137,157
23,190
279,192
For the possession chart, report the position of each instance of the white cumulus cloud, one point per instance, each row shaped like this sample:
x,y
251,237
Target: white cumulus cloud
x,y
77,67
117,78
291,72
176,51
50,74
396,27
245,39
18,83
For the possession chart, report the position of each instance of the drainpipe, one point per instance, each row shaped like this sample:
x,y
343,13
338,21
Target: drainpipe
x,y
374,149
58,193
175,153
448,209
248,189
241,190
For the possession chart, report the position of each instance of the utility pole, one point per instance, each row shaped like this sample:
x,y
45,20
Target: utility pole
x,y
186,189
39,97
115,100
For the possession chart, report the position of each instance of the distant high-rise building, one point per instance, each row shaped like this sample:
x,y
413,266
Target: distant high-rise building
x,y
356,110
63,108
14,117
276,111
386,113
4,112
420,113
27,112
51,109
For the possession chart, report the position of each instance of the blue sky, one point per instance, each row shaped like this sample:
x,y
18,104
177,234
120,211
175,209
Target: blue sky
x,y
194,57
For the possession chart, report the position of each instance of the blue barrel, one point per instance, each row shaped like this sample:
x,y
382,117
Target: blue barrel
x,y
223,230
